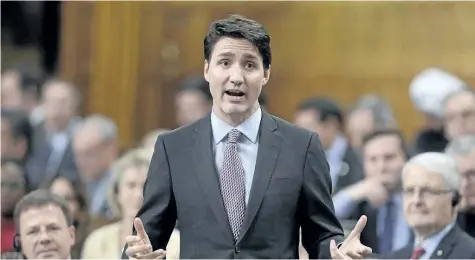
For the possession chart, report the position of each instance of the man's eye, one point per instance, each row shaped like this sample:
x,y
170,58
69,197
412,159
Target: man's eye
x,y
32,232
250,65
224,62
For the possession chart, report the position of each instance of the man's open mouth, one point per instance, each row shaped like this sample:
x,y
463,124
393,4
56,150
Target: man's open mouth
x,y
234,92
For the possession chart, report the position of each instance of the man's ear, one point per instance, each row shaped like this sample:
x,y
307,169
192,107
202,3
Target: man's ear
x,y
206,69
266,76
72,233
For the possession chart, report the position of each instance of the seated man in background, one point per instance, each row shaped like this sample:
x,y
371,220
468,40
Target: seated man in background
x,y
21,89
459,114
370,113
96,146
45,226
193,100
463,150
430,186
324,117
378,195
428,90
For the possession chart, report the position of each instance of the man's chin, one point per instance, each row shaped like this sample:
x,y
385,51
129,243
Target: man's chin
x,y
48,255
235,110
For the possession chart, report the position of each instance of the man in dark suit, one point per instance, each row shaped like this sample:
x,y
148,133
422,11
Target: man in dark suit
x,y
240,181
430,186
324,117
378,196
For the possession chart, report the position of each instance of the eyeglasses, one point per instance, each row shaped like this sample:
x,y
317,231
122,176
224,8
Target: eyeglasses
x,y
424,192
469,175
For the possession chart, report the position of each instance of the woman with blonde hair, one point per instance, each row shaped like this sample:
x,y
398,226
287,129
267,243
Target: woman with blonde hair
x,y
125,198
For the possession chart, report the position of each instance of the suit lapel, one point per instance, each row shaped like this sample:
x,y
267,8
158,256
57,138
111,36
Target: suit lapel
x,y
268,151
202,151
443,250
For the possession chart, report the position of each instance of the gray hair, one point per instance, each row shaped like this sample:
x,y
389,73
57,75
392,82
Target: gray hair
x,y
461,146
438,163
382,113
105,126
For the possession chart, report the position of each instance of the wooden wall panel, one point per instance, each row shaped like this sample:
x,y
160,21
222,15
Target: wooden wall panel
x,y
115,64
336,49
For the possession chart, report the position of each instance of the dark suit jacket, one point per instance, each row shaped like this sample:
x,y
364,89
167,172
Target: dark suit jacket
x,y
369,235
455,245
291,189
351,170
466,221
37,165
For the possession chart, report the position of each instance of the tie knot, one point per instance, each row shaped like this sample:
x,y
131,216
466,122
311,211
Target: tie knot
x,y
233,136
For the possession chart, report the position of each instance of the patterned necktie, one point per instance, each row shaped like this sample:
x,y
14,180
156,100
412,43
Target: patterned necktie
x,y
417,253
232,184
386,239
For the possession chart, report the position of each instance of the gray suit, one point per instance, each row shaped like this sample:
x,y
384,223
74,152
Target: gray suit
x,y
291,188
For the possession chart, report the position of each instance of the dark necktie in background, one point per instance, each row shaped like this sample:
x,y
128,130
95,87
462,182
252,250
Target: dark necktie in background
x,y
386,238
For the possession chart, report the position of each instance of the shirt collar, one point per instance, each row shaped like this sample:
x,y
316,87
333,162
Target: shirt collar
x,y
431,243
337,149
249,128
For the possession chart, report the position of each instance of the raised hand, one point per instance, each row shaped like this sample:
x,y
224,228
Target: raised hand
x,y
352,247
139,246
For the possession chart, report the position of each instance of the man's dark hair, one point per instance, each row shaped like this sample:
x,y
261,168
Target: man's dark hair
x,y
41,198
20,166
30,80
198,84
326,108
239,27
386,132
20,126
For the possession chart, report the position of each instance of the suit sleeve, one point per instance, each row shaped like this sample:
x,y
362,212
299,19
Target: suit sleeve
x,y
158,211
318,221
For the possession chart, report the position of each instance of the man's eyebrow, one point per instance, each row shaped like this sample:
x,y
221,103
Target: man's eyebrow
x,y
250,56
230,54
226,54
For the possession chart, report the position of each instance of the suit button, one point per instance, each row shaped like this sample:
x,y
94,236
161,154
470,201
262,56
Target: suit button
x,y
237,249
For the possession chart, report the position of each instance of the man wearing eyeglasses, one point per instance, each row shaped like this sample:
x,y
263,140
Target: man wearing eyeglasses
x,y
430,184
463,150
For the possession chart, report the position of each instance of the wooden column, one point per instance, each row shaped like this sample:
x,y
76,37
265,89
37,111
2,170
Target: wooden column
x,y
114,64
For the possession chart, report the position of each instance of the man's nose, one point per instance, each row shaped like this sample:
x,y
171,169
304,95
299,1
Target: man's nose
x,y
236,76
44,237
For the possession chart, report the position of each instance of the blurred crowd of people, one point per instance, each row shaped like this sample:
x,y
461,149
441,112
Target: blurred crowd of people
x,y
67,170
